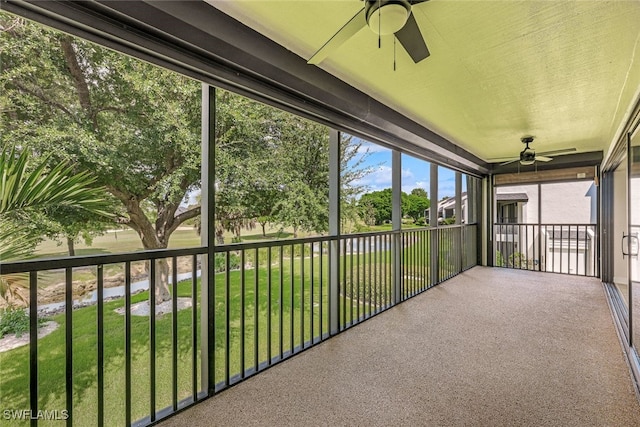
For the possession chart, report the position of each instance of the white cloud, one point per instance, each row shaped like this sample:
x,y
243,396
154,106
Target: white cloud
x,y
372,148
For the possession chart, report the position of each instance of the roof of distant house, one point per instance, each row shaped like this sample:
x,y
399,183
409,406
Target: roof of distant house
x,y
512,197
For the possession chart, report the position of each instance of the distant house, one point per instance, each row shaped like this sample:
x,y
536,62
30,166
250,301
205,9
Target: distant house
x,y
447,209
551,227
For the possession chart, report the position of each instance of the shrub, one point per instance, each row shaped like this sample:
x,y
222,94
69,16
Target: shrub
x,y
221,262
15,321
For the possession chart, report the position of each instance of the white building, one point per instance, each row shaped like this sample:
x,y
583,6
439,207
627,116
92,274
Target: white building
x,y
548,227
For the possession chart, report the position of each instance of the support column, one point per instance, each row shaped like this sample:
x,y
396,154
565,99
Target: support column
x,y
487,221
207,239
396,224
334,231
539,234
433,223
460,253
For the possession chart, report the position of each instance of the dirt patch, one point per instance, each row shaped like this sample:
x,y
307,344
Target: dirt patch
x,y
10,341
142,308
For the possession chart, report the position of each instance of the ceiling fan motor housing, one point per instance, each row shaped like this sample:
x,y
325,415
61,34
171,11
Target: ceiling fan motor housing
x,y
387,17
527,157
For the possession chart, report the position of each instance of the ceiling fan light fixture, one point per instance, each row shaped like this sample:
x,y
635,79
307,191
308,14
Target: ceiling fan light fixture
x,y
527,156
387,17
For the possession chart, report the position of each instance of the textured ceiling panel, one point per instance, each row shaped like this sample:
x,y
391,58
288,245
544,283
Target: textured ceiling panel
x,y
563,71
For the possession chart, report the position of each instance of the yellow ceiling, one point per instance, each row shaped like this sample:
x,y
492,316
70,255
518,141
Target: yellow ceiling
x,y
566,72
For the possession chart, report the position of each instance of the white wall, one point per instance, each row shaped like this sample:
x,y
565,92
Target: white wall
x,y
569,203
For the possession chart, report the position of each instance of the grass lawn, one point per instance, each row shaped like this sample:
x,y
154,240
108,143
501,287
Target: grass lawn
x,y
117,241
290,317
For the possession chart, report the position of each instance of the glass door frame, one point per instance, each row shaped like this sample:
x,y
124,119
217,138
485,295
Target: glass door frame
x,y
632,243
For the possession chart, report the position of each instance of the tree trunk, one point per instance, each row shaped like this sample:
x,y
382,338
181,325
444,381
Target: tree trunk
x,y
71,246
264,232
162,281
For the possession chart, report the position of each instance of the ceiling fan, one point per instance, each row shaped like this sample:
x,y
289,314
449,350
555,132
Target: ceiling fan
x,y
382,17
528,156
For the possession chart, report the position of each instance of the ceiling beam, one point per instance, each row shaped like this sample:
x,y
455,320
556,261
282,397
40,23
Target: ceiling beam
x,y
200,41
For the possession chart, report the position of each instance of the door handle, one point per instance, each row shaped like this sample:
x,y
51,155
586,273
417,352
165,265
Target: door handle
x,y
633,238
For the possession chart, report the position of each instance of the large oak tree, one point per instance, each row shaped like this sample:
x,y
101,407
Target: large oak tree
x,y
135,126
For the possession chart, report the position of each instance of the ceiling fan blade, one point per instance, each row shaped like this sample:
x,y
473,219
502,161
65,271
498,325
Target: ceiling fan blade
x,y
509,162
543,159
557,152
347,31
411,39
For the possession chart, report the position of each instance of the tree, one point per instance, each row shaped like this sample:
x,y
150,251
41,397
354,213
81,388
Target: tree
x,y
381,202
273,166
415,204
136,127
420,192
73,225
377,206
29,186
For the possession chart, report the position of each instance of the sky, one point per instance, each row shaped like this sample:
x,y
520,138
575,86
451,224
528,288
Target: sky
x,y
415,172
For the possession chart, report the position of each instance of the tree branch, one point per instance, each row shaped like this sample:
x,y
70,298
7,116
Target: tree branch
x,y
79,78
179,219
39,93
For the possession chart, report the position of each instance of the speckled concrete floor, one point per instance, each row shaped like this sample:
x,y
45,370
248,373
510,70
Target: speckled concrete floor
x,y
491,347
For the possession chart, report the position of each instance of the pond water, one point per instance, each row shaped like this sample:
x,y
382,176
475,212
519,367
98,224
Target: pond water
x,y
108,294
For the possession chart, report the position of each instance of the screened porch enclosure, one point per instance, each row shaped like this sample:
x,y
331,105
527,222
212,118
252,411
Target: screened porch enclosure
x,y
481,308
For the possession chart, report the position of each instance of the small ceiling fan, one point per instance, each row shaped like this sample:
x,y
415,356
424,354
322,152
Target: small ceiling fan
x,y
382,17
528,156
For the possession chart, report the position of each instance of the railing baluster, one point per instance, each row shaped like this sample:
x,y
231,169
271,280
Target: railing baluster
x,y
358,284
577,248
561,241
281,304
302,246
174,332
329,307
291,301
227,315
127,341
256,306
343,285
243,309
33,345
100,330
369,281
68,315
311,291
269,296
152,340
194,327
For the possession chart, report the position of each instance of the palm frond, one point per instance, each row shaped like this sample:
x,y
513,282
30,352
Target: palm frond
x,y
24,186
